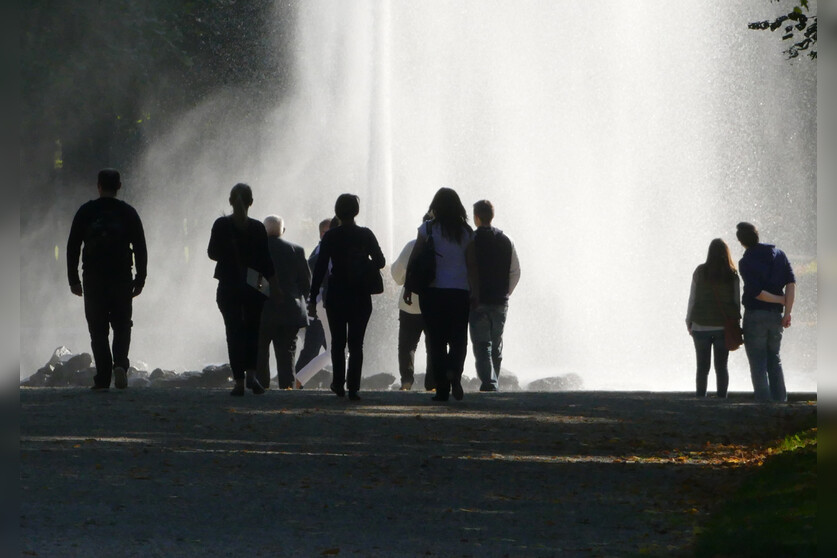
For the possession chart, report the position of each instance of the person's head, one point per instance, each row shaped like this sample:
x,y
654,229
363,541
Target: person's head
x,y
347,207
448,211
334,223
483,213
747,234
274,225
108,182
241,197
325,224
719,266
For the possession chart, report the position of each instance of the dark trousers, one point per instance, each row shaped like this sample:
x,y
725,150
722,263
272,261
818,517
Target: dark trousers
x,y
445,312
241,322
314,340
108,304
283,339
410,328
705,343
347,322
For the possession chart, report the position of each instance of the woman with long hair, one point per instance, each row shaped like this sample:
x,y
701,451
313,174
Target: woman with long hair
x,y
445,305
714,298
348,304
239,246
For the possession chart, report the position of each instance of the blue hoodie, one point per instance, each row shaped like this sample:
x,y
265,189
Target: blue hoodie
x,y
764,268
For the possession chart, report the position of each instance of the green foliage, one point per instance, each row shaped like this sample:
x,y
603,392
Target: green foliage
x,y
797,27
774,512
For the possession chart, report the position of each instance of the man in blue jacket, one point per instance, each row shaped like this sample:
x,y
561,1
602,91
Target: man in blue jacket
x,y
769,289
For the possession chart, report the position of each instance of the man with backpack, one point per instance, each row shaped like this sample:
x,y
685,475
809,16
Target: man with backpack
x,y
114,242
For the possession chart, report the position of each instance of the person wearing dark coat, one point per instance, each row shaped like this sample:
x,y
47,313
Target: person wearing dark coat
x,y
114,242
348,307
239,246
284,312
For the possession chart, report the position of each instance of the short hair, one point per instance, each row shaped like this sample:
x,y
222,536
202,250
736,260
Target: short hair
x,y
347,206
747,234
244,191
484,210
274,224
325,224
109,180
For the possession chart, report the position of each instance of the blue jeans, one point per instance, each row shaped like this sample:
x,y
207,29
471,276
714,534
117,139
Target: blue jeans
x,y
705,343
486,325
762,341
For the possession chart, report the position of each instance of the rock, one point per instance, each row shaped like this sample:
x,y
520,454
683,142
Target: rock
x,y
378,382
216,375
160,374
76,363
567,382
470,383
83,377
507,381
320,380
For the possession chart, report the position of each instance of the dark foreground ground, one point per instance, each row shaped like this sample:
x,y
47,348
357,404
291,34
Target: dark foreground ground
x,y
194,472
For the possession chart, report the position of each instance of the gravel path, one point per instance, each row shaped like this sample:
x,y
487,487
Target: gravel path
x,y
194,472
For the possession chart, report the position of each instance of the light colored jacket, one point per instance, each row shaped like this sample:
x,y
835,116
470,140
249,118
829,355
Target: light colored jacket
x,y
399,274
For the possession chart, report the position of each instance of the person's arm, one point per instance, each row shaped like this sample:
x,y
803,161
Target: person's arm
x,y
790,296
303,274
215,250
737,295
140,254
417,249
473,272
375,251
323,258
514,270
398,270
74,254
765,296
691,306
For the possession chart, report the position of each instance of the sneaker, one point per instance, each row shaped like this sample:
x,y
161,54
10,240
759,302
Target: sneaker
x,y
298,384
406,386
353,396
488,387
338,390
238,390
252,383
120,377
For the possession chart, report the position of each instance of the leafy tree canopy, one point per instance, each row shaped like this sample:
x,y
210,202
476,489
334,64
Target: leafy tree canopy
x,y
798,27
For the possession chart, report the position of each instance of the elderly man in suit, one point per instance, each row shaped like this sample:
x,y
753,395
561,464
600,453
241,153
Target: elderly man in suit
x,y
284,313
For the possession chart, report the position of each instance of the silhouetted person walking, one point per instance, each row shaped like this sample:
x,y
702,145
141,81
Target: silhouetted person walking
x,y
348,305
284,313
445,304
114,242
498,272
769,283
239,245
410,325
314,334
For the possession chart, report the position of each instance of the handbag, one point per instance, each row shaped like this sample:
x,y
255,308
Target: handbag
x,y
372,281
733,335
364,275
421,269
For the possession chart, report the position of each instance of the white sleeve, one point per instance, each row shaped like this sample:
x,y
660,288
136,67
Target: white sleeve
x,y
514,269
398,269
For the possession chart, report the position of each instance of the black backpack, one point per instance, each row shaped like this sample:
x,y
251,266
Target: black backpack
x,y
106,241
421,271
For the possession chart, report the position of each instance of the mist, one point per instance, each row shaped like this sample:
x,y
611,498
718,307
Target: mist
x,y
613,149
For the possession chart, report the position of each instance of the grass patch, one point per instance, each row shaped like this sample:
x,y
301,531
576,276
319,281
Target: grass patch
x,y
774,511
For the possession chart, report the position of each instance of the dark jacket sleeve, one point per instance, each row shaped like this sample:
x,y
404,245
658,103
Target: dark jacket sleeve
x,y
74,247
215,250
375,251
303,273
263,263
322,266
140,249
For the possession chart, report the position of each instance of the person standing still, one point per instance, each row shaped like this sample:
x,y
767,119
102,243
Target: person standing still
x,y
284,312
498,272
114,242
769,284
